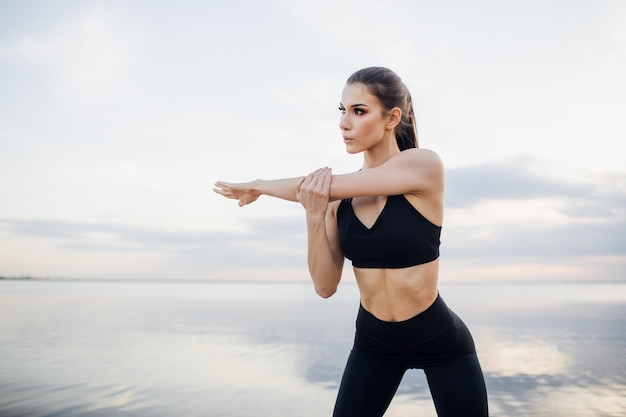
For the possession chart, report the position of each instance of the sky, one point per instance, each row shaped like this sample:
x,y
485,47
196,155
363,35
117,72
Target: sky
x,y
116,119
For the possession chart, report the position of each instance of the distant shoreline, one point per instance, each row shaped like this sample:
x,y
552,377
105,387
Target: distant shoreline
x,y
259,281
17,278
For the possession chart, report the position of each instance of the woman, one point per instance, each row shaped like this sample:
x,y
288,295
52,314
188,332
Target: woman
x,y
386,218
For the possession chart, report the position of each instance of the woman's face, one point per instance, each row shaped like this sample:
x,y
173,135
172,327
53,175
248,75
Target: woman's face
x,y
363,122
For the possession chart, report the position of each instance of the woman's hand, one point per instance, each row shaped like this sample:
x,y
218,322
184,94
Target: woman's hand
x,y
245,192
313,192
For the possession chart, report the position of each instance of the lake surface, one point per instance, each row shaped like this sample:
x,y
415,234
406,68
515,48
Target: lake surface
x,y
111,349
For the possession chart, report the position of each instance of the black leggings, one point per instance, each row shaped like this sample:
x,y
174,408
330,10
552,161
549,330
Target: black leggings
x,y
436,341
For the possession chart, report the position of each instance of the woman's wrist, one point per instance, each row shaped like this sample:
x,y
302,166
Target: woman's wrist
x,y
315,219
256,186
284,188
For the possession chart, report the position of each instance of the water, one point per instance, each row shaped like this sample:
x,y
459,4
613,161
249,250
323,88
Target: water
x,y
237,350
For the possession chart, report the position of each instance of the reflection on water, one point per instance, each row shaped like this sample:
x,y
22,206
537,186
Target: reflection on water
x,y
163,349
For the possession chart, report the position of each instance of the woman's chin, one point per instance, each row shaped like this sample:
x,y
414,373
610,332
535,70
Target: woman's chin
x,y
352,150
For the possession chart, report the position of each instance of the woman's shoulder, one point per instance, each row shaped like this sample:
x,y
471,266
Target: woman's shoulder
x,y
421,153
421,158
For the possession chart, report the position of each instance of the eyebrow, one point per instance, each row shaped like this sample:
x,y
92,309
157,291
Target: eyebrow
x,y
355,105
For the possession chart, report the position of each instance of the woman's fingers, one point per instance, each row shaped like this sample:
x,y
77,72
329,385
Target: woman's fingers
x,y
316,180
222,188
221,191
314,186
322,181
327,179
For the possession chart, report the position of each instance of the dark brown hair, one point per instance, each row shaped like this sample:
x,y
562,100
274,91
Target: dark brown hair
x,y
391,91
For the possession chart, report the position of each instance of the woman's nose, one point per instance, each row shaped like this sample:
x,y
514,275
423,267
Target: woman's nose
x,y
343,123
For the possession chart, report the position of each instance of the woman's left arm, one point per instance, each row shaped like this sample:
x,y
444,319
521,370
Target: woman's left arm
x,y
416,171
324,255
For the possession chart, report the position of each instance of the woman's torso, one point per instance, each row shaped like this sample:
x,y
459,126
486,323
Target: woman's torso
x,y
398,293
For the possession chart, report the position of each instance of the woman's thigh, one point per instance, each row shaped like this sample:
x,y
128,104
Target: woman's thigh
x,y
367,386
458,388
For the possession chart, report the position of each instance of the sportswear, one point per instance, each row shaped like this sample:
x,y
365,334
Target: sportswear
x,y
436,341
400,237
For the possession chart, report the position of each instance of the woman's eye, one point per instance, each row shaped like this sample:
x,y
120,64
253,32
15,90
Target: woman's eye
x,y
358,111
342,109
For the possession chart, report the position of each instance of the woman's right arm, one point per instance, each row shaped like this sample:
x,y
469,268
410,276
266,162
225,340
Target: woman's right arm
x,y
324,255
248,192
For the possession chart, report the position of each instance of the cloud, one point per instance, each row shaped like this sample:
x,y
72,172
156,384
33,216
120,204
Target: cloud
x,y
509,211
277,242
119,111
499,214
518,180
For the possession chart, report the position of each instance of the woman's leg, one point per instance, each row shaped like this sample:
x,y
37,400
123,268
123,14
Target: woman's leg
x,y
458,388
367,386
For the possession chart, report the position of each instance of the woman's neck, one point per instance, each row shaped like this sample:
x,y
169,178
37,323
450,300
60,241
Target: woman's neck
x,y
379,154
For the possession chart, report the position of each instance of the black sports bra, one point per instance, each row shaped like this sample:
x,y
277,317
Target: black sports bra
x,y
400,237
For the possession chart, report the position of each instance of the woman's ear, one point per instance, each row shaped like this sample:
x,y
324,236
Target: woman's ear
x,y
394,116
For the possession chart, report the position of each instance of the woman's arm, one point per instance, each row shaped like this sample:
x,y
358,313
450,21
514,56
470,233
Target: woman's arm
x,y
324,256
248,192
417,171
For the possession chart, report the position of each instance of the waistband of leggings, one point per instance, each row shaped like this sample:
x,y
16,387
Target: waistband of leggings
x,y
431,319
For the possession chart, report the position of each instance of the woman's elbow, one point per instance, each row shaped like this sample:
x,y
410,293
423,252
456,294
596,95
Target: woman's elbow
x,y
325,280
325,292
